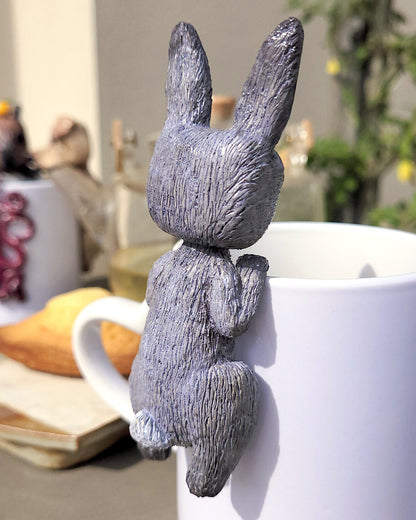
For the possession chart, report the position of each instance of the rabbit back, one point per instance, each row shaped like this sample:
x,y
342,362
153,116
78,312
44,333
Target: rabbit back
x,y
180,343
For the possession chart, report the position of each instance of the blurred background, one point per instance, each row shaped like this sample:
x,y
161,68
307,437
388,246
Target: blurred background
x,y
100,60
349,148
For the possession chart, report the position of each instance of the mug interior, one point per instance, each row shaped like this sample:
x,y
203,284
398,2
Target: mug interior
x,y
331,251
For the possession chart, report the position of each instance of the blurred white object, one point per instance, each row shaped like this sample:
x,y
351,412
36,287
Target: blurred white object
x,y
52,254
302,194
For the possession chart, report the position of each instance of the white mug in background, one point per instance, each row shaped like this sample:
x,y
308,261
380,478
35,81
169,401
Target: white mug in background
x,y
333,345
52,264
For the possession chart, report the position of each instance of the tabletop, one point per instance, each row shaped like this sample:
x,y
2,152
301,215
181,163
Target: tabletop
x,y
117,484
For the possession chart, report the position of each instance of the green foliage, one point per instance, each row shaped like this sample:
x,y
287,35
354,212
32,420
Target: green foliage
x,y
399,216
368,41
342,164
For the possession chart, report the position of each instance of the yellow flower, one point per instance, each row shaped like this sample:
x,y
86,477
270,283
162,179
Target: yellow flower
x,y
333,67
4,108
405,170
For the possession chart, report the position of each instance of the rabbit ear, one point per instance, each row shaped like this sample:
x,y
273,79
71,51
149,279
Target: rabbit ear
x,y
188,86
266,101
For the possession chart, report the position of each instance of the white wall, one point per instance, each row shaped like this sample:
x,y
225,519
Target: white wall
x,y
8,74
51,46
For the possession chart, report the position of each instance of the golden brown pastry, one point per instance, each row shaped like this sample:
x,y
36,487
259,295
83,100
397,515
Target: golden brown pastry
x,y
43,341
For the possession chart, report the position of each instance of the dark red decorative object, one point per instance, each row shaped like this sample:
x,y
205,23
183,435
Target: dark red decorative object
x,y
15,229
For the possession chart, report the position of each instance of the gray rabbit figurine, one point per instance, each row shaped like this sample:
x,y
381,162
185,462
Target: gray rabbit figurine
x,y
215,189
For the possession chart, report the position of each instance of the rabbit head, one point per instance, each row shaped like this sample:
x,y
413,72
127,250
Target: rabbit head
x,y
219,188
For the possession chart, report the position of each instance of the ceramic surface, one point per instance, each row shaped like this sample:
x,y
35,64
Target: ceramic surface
x,y
52,255
333,345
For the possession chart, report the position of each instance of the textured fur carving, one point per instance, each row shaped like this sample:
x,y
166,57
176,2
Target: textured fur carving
x,y
216,190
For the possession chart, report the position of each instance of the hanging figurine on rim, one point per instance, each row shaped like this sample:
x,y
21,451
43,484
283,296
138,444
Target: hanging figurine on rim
x,y
215,190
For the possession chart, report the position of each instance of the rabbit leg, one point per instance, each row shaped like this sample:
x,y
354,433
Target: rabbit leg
x,y
152,441
227,415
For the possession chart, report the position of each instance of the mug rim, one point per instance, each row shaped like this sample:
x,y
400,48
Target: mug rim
x,y
11,183
379,282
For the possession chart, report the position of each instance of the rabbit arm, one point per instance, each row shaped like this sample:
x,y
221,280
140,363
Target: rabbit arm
x,y
156,275
235,295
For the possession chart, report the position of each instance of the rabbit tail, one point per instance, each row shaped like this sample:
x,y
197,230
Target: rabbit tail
x,y
151,440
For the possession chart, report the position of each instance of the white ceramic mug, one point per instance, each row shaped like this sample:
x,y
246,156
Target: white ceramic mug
x,y
53,252
333,345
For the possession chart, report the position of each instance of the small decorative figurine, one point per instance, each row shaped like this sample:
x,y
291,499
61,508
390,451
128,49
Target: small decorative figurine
x,y
215,189
15,157
69,146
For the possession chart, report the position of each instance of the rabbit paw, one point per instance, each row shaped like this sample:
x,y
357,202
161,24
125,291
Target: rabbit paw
x,y
247,264
153,443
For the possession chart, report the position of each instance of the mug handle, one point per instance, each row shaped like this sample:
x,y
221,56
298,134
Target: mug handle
x,y
90,356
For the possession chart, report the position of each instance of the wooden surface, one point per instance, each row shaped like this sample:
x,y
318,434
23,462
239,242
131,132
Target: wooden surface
x,y
53,421
116,485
